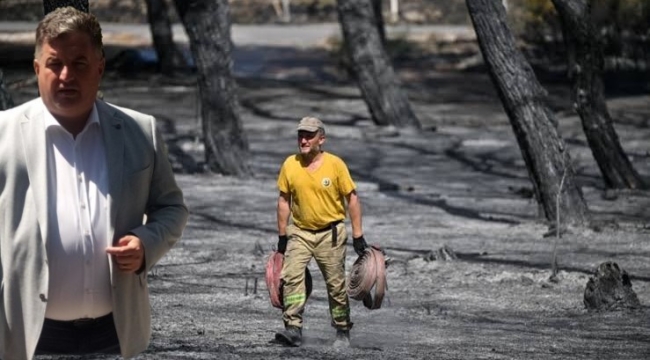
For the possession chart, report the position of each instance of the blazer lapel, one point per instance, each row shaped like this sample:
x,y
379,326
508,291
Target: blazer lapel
x,y
32,131
113,134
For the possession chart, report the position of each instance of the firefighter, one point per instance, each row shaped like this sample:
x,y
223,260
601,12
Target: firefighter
x,y
315,187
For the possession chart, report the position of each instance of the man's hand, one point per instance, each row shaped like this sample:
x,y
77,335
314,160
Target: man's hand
x,y
282,243
129,253
359,244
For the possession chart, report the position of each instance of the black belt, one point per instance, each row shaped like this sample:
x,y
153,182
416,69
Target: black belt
x,y
82,323
330,226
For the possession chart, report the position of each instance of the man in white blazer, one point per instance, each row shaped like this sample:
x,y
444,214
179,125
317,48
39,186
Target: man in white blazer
x,y
88,205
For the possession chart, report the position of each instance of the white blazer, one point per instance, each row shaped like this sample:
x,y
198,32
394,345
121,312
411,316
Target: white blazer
x,y
141,182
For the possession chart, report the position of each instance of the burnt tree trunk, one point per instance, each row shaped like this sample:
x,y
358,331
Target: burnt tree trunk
x,y
586,66
6,102
207,23
379,16
50,5
169,56
533,123
380,87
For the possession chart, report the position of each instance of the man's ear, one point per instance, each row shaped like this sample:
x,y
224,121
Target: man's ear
x,y
102,66
37,67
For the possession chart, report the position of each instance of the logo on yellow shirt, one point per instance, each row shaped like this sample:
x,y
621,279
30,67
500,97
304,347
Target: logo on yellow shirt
x,y
326,182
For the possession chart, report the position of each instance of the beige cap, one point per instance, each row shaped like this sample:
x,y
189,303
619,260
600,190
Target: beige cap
x,y
310,124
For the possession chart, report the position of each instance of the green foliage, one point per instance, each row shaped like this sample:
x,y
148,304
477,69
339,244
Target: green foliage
x,y
537,12
538,17
622,25
534,20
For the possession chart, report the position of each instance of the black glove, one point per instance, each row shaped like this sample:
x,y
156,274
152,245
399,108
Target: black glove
x,y
282,243
359,244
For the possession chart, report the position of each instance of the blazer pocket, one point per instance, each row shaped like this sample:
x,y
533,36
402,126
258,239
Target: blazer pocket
x,y
135,190
136,171
139,179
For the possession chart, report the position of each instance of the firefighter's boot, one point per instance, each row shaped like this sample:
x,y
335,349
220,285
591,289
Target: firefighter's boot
x,y
342,338
290,336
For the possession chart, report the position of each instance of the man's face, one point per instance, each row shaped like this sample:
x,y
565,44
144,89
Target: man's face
x,y
69,71
310,142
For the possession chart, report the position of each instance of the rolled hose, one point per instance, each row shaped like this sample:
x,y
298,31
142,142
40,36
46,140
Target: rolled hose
x,y
273,277
367,278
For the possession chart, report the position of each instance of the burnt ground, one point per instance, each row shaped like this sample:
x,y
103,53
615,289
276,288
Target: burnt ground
x,y
461,183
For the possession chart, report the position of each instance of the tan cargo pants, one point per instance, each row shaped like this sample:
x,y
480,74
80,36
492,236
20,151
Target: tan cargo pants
x,y
330,257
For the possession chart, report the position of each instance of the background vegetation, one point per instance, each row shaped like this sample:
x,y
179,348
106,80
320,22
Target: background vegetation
x,y
623,26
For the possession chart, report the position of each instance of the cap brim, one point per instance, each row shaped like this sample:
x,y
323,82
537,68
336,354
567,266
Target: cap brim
x,y
308,128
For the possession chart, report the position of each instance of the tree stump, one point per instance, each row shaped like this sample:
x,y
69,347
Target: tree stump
x,y
610,289
445,253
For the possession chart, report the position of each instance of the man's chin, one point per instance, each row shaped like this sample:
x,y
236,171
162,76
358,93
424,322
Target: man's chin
x,y
72,102
67,99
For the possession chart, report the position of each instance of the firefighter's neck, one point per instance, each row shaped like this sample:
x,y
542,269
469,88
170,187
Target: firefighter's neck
x,y
311,157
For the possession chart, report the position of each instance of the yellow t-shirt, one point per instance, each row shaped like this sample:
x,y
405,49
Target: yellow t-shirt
x,y
318,197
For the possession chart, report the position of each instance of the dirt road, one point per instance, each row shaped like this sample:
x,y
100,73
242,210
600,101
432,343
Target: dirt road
x,y
306,35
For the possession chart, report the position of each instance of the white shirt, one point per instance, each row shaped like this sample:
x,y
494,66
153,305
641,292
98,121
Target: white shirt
x,y
79,285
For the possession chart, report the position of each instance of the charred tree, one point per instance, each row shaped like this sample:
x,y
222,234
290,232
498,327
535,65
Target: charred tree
x,y
379,16
6,102
207,23
50,5
169,56
533,123
372,68
586,66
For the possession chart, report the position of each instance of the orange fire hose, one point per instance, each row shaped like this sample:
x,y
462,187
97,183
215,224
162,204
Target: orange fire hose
x,y
367,278
273,279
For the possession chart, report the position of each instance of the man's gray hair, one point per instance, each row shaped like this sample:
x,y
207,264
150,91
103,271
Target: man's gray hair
x,y
66,20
